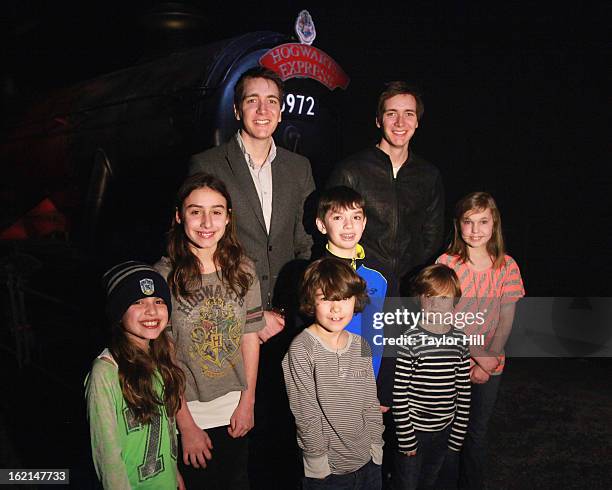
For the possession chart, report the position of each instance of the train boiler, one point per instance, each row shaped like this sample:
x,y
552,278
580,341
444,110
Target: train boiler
x,y
98,163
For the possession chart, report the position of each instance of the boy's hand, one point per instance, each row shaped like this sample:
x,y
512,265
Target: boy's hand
x,y
197,447
275,324
384,409
478,375
409,453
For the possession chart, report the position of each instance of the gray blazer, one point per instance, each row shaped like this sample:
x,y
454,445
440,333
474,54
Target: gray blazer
x,y
292,183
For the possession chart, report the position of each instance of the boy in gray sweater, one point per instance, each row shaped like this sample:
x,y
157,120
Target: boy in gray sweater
x,y
331,386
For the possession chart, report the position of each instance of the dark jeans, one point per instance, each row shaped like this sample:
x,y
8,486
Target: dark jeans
x,y
421,470
472,460
275,462
389,449
368,477
226,470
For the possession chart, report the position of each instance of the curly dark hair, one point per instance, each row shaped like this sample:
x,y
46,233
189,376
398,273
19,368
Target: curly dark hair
x,y
336,280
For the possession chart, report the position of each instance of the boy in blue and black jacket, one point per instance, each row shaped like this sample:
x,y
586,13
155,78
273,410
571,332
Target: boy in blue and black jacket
x,y
341,216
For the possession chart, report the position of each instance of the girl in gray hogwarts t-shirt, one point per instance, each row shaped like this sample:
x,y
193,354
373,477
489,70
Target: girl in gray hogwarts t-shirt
x,y
207,328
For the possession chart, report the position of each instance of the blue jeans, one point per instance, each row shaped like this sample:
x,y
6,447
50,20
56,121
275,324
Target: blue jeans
x,y
421,470
368,477
473,453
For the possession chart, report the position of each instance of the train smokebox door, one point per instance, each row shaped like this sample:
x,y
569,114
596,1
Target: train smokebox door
x,y
312,81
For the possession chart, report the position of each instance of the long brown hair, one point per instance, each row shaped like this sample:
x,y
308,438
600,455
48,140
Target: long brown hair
x,y
478,202
185,277
137,369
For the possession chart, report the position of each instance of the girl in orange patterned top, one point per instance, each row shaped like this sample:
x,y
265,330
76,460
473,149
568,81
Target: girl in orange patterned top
x,y
491,285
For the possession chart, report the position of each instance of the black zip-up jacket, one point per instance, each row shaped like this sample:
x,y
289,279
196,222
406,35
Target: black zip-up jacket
x,y
405,223
405,214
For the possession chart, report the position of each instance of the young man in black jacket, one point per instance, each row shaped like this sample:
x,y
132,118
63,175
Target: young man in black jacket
x,y
404,203
403,193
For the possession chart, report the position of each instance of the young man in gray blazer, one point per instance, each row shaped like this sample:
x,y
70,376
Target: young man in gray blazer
x,y
268,184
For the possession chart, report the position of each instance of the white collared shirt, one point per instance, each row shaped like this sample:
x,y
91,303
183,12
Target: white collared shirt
x,y
262,178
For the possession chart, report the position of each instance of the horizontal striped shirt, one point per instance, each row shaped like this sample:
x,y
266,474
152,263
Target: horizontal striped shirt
x,y
484,292
432,387
332,395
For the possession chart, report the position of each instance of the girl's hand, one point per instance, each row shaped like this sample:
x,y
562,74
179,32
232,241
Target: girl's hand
x,y
197,447
384,409
409,453
275,323
179,479
242,421
478,375
502,362
488,362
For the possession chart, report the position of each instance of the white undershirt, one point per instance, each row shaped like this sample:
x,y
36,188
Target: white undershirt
x,y
215,413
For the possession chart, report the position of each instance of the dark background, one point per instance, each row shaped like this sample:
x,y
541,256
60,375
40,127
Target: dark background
x,y
515,94
516,103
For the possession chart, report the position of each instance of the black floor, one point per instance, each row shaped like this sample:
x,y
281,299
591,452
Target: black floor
x,y
551,427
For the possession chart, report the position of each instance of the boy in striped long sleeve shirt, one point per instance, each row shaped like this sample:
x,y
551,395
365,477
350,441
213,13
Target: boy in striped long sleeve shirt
x,y
431,392
331,386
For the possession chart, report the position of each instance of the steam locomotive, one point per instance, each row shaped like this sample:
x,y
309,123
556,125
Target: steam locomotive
x,y
98,163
